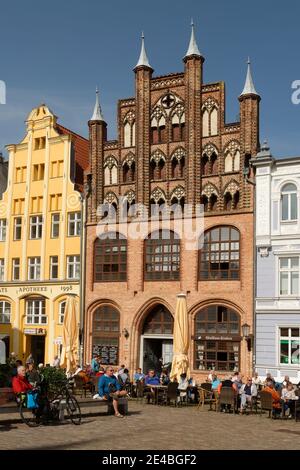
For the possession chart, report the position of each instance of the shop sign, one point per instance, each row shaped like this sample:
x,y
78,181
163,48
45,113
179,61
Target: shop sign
x,y
34,331
219,338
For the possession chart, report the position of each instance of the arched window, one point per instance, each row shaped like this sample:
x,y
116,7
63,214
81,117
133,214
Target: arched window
x,y
204,201
178,123
212,353
232,157
178,163
205,165
220,256
5,311
129,129
61,311
205,123
128,168
214,122
106,333
177,196
157,197
158,321
227,202
157,165
209,118
158,127
110,171
162,252
110,258
209,197
289,202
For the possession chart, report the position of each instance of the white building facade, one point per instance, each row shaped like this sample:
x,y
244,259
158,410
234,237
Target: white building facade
x,y
277,306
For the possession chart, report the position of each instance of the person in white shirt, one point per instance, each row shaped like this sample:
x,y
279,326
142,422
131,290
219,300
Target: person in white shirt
x,y
247,392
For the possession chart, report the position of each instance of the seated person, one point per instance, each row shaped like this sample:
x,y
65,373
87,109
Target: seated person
x,y
289,398
164,377
183,385
124,377
95,364
215,383
32,375
270,388
247,392
20,383
256,380
110,389
138,376
227,383
151,379
100,372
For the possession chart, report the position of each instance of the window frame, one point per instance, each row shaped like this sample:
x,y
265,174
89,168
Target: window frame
x,y
53,265
217,336
3,230
289,195
36,227
101,260
218,254
75,265
289,339
149,250
289,270
18,226
2,269
76,223
41,315
15,266
55,223
61,311
3,304
36,268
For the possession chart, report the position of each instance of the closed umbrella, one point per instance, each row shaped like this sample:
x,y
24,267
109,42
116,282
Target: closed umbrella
x,y
181,339
70,336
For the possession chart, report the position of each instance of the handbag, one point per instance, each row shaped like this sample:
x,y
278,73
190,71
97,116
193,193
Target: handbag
x,y
32,400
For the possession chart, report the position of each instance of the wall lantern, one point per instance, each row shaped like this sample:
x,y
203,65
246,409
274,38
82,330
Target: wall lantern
x,y
247,335
125,333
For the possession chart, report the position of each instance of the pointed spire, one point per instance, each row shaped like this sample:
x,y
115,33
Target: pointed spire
x,y
97,114
249,85
143,60
193,47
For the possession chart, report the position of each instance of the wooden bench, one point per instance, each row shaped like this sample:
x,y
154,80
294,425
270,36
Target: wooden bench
x,y
91,403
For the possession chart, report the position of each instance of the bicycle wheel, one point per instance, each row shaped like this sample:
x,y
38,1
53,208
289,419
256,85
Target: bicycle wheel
x,y
73,409
29,417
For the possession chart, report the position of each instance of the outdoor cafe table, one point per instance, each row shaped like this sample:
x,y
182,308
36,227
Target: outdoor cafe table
x,y
156,389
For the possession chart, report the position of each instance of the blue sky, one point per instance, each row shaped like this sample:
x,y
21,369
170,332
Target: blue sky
x,y
58,51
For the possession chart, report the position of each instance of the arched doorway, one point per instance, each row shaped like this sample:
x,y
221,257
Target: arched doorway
x,y
156,346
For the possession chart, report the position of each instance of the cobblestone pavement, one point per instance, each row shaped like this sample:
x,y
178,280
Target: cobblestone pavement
x,y
156,428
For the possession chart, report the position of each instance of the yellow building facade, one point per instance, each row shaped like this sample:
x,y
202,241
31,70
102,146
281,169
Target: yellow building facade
x,y
40,226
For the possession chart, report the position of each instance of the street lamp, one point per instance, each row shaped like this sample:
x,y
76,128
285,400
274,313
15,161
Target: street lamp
x,y
247,335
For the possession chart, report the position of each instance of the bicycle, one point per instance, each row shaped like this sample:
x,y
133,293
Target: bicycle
x,y
50,409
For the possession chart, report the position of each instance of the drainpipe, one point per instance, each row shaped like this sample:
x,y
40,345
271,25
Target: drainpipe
x,y
253,183
83,199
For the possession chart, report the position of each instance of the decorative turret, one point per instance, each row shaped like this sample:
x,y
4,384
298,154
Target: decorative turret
x,y
249,88
97,114
193,49
143,59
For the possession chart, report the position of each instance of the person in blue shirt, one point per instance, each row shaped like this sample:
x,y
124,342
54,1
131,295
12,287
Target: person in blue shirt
x,y
138,376
109,388
215,382
151,379
95,364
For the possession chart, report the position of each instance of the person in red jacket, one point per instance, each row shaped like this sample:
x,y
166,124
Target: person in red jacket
x,y
19,383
